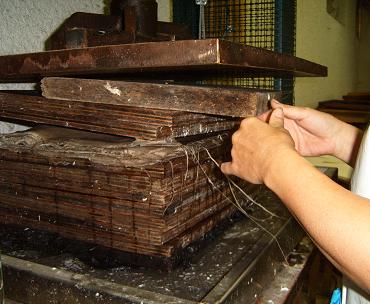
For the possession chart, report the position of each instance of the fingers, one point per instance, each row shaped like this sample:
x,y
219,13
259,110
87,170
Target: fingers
x,y
226,168
277,118
265,116
291,112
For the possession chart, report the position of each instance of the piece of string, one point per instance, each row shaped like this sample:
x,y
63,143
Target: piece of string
x,y
172,182
236,203
240,189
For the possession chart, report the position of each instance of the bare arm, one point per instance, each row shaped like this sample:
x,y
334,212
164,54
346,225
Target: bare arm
x,y
337,220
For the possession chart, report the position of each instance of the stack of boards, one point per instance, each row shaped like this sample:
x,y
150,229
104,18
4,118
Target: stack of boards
x,y
354,108
130,166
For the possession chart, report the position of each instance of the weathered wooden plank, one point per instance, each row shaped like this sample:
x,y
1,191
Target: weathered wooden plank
x,y
200,57
198,99
137,122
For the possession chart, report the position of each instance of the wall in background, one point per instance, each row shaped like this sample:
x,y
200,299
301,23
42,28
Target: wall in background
x,y
325,40
165,10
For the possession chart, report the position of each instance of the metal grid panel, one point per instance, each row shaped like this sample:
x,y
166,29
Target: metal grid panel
x,y
249,22
268,24
243,21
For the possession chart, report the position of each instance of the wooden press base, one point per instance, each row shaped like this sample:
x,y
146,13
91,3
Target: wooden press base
x,y
239,264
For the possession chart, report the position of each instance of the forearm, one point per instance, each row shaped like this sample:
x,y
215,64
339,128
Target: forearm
x,y
337,220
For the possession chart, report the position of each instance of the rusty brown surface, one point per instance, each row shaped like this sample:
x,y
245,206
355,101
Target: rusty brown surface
x,y
83,22
206,56
130,21
146,12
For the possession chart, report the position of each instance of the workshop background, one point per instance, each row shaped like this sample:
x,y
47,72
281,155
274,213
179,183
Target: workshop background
x,y
340,42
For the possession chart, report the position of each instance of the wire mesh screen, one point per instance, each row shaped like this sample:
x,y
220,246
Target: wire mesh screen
x,y
246,22
268,24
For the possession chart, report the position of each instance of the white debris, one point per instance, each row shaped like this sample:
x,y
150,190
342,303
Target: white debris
x,y
113,90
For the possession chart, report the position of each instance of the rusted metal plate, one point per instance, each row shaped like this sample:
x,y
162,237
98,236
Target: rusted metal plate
x,y
206,56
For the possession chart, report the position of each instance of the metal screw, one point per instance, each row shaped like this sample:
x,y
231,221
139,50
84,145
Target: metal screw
x,y
201,2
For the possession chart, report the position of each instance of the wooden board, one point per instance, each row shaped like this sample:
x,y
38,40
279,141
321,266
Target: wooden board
x,y
359,105
200,58
146,199
357,96
207,100
350,116
137,122
354,111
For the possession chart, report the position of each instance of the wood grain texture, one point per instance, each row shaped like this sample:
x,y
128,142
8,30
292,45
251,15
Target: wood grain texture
x,y
137,197
138,122
207,100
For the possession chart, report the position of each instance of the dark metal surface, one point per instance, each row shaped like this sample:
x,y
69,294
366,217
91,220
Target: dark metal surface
x,y
207,56
285,286
146,12
130,21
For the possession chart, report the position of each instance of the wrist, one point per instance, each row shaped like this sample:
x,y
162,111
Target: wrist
x,y
280,163
347,144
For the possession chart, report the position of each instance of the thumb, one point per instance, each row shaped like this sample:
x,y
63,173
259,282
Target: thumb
x,y
226,168
277,118
290,112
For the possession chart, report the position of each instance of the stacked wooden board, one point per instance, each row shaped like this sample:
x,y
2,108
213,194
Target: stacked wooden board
x,y
138,195
144,111
140,123
148,199
354,108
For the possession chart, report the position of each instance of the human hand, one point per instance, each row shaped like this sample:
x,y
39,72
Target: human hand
x,y
316,133
256,145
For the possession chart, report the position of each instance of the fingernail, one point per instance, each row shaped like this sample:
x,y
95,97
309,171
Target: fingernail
x,y
274,100
279,112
